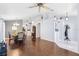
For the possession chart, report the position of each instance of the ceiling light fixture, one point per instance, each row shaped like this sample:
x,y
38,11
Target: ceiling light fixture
x,y
66,18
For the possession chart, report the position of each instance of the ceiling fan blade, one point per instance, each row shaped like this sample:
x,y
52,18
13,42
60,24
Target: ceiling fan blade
x,y
32,6
47,8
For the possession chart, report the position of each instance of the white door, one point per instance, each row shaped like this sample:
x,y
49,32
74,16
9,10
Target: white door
x,y
38,30
59,31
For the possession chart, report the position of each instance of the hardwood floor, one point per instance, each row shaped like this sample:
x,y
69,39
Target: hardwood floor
x,y
38,48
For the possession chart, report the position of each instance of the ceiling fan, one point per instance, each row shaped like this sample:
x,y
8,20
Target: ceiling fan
x,y
41,5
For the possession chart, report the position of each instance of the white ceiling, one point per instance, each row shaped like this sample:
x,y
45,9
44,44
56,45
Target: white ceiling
x,y
10,11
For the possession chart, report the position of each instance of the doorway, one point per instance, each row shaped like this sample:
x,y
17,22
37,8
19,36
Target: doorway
x,y
38,30
33,32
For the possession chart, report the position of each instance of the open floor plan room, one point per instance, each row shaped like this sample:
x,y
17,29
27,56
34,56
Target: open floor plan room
x,y
39,29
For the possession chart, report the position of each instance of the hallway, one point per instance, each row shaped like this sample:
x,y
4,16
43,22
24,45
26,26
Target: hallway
x,y
38,48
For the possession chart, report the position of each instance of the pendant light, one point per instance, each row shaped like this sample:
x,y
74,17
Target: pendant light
x,y
66,18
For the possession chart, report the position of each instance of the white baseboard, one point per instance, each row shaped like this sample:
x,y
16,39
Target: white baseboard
x,y
71,47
